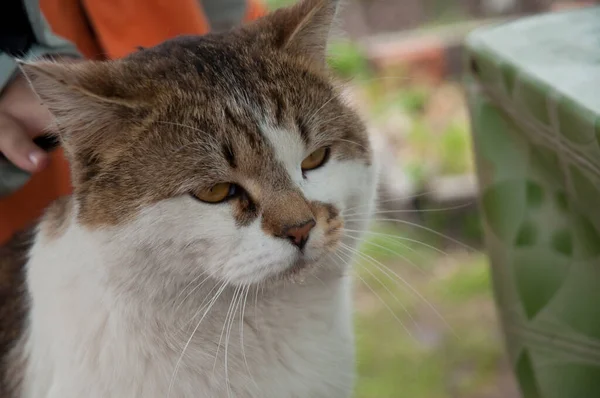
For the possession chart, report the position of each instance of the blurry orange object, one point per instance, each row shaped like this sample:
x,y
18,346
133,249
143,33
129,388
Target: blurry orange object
x,y
101,29
256,9
24,206
115,28
421,59
123,25
568,5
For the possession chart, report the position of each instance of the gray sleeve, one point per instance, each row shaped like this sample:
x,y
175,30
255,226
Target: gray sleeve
x,y
46,43
224,14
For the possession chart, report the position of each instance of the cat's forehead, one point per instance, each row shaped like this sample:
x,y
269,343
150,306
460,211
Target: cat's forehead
x,y
226,65
247,100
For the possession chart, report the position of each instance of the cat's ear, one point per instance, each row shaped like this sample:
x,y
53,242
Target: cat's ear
x,y
90,101
302,29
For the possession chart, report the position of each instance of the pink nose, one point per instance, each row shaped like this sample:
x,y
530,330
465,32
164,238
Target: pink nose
x,y
299,234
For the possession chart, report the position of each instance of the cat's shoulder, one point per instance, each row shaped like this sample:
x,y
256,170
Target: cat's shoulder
x,y
56,218
13,301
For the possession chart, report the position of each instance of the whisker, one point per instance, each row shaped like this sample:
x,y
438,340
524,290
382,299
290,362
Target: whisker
x,y
233,298
387,270
344,262
394,252
382,302
403,78
202,305
242,335
256,304
391,236
343,83
457,207
387,289
191,291
350,142
237,304
333,119
190,283
402,198
311,117
262,293
433,231
178,364
319,279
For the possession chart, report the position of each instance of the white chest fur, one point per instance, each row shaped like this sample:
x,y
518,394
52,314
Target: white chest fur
x,y
86,341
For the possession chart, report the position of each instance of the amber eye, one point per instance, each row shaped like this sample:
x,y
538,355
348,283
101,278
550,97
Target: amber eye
x,y
217,193
315,159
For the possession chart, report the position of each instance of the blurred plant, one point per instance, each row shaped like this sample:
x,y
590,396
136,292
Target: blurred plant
x,y
412,99
403,347
455,150
437,139
275,4
347,60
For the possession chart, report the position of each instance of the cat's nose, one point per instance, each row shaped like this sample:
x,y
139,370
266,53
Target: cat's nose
x,y
299,234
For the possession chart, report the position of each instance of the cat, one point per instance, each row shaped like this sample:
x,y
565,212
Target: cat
x,y
204,250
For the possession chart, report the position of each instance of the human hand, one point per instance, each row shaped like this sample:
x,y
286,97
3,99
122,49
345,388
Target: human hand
x,y
22,118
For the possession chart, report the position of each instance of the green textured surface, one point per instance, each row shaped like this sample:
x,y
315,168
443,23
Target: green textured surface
x,y
534,93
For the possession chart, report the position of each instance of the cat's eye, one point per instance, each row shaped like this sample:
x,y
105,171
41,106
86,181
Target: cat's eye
x,y
315,159
217,193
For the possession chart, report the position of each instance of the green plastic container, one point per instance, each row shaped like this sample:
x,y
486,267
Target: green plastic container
x,y
534,94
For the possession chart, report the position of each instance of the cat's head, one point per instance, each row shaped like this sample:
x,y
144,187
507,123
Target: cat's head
x,y
232,149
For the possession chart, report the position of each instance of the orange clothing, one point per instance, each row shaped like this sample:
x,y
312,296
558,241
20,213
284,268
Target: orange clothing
x,y
101,29
115,28
25,205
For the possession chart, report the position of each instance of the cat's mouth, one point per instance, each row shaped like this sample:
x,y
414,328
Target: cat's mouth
x,y
308,260
303,264
298,266
296,269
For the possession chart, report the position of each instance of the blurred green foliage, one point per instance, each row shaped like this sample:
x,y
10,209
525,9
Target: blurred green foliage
x,y
423,354
274,4
411,99
347,60
455,149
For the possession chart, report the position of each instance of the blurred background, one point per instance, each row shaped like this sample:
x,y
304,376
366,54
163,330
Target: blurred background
x,y
425,322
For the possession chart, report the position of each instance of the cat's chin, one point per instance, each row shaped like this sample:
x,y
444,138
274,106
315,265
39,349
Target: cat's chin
x,y
300,266
304,267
